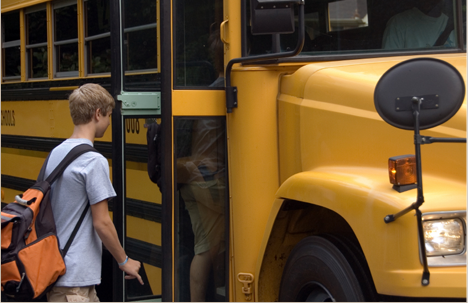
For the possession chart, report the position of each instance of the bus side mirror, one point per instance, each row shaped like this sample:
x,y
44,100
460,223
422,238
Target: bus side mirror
x,y
438,84
272,16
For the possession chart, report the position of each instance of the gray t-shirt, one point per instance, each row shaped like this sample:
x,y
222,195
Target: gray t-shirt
x,y
414,29
85,179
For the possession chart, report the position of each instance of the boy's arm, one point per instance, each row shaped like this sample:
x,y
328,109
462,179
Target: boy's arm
x,y
106,230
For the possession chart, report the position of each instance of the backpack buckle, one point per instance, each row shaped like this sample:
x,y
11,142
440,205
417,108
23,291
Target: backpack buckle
x,y
21,201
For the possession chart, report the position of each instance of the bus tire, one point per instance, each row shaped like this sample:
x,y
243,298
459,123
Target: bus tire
x,y
316,271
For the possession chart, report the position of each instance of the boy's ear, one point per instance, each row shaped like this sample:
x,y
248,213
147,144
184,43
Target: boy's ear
x,y
97,113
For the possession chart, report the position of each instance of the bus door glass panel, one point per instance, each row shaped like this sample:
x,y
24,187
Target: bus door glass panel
x,y
142,210
201,210
198,48
140,46
201,207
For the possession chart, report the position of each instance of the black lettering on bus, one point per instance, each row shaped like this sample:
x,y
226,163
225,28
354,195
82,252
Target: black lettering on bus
x,y
132,125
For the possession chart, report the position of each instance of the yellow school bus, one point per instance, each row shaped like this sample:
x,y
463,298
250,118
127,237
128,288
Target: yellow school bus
x,y
292,146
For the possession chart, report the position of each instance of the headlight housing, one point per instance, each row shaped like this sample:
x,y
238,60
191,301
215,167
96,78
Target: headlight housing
x,y
444,238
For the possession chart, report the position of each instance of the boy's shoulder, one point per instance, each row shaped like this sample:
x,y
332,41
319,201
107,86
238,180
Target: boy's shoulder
x,y
60,152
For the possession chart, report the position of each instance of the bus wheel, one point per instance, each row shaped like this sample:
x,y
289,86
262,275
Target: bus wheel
x,y
316,271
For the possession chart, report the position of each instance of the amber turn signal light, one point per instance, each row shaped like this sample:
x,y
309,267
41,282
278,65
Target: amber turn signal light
x,y
402,172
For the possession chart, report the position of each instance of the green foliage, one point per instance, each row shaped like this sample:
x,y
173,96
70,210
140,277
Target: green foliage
x,y
101,63
68,62
39,62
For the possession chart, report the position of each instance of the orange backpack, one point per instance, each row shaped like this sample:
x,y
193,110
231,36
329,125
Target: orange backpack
x,y
32,260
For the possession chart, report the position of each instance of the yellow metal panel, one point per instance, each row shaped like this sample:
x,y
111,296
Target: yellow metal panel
x,y
62,88
81,46
363,197
10,5
198,103
135,131
232,34
42,119
50,42
12,157
290,161
144,230
337,110
270,282
39,118
9,194
139,185
253,168
23,45
154,277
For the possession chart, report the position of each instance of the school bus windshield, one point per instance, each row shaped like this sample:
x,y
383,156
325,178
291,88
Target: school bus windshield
x,y
357,26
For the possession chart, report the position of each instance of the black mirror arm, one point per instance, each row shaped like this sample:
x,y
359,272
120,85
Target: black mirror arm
x,y
416,105
231,91
429,140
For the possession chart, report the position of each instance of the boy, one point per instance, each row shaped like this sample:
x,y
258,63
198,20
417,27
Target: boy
x,y
86,180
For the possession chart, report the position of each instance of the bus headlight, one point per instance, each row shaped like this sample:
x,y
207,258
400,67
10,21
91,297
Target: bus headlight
x,y
444,237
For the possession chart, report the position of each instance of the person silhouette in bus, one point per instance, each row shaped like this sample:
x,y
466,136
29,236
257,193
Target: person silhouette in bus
x,y
216,48
419,27
86,180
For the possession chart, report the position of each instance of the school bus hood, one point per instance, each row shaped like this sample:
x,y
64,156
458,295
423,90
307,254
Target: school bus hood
x,y
327,117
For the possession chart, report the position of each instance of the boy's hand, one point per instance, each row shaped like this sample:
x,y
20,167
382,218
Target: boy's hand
x,y
131,269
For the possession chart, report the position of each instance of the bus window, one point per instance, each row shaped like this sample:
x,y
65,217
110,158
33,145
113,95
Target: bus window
x,y
200,214
66,39
358,26
11,61
198,47
36,43
140,49
97,40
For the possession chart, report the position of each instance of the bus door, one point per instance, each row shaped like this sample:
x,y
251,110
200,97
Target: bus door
x,y
138,214
200,204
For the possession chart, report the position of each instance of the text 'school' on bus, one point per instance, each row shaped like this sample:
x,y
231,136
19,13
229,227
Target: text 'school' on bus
x,y
295,162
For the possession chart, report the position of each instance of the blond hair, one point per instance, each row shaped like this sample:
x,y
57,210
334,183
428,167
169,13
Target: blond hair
x,y
85,100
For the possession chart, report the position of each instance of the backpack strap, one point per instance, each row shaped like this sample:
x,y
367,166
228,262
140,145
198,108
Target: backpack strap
x,y
69,158
75,231
43,168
